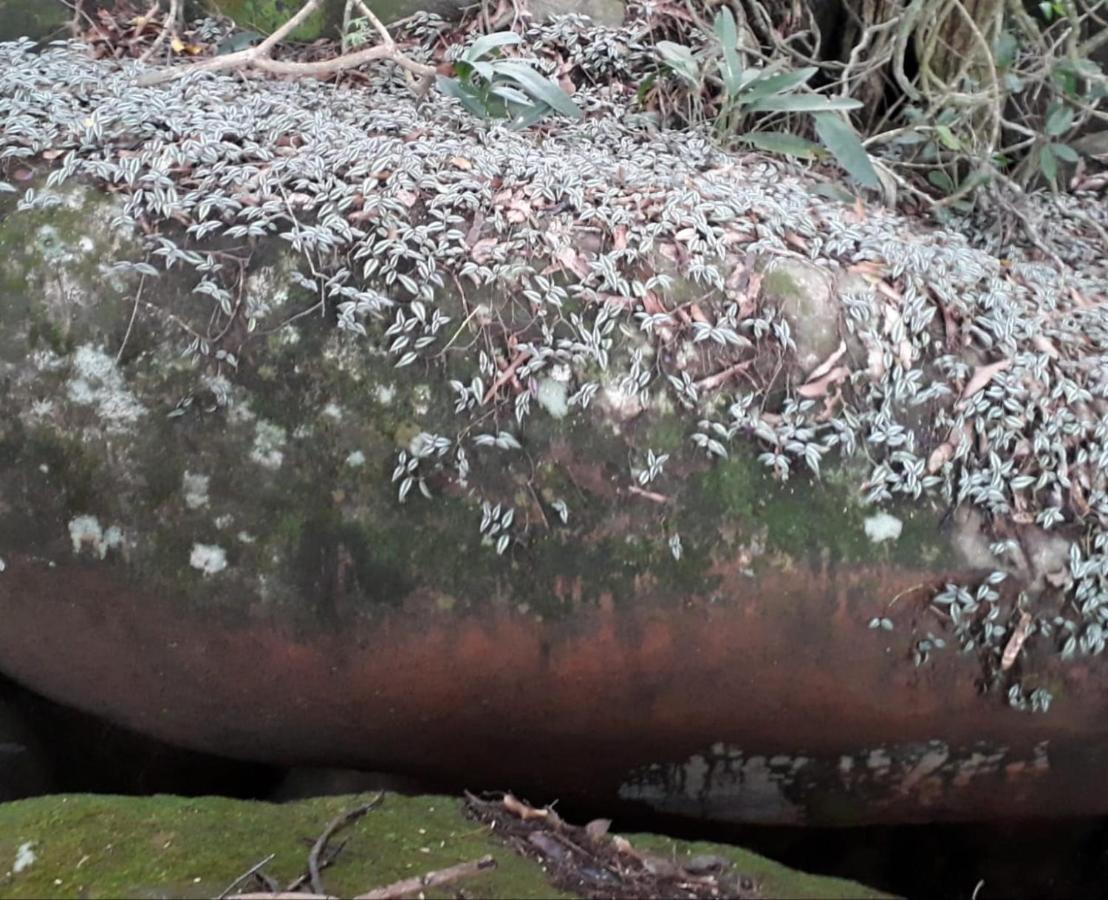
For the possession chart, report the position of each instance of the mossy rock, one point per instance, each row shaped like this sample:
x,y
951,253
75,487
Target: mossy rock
x,y
36,19
103,846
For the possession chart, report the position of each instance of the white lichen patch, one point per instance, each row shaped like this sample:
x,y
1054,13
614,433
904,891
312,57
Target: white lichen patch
x,y
96,381
332,411
223,522
883,527
269,443
385,394
24,857
87,534
195,488
553,396
208,558
356,459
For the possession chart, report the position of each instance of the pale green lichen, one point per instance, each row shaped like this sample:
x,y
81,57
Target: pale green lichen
x,y
210,559
97,382
195,488
269,443
86,533
883,527
552,396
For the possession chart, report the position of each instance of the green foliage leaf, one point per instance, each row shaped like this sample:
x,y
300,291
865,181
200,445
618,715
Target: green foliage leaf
x,y
486,43
1059,120
840,139
1048,164
466,95
948,138
506,92
768,85
725,28
941,180
680,59
1065,152
539,87
728,36
1004,53
782,142
810,103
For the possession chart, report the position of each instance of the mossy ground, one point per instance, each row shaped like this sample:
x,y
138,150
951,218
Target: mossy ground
x,y
103,846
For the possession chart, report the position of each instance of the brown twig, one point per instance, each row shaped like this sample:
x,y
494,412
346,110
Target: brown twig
x,y
430,880
648,495
329,832
714,381
253,870
260,58
394,891
506,375
169,26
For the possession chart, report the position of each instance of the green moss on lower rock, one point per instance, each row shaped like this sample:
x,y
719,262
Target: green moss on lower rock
x,y
103,846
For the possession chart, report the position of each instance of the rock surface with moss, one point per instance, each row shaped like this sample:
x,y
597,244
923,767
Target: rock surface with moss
x,y
88,846
339,428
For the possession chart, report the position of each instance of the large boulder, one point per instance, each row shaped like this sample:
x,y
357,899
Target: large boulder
x,y
343,430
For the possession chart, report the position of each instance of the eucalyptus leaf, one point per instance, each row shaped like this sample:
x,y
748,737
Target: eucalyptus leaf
x,y
840,139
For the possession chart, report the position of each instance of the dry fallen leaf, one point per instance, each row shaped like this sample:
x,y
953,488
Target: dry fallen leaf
x,y
819,386
1015,642
939,457
518,808
982,375
597,828
824,367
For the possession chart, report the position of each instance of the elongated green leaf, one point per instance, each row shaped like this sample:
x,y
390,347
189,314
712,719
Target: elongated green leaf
x,y
1059,121
1065,152
727,34
1048,164
812,103
782,142
488,42
949,138
512,95
539,87
838,137
526,116
781,83
681,60
725,29
465,95
941,180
